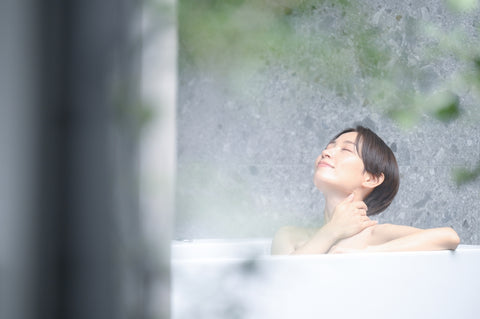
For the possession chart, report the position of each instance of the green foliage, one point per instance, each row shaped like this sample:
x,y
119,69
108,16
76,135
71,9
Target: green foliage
x,y
449,110
462,5
463,175
345,51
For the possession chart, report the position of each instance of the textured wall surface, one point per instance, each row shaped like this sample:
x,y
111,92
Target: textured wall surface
x,y
246,153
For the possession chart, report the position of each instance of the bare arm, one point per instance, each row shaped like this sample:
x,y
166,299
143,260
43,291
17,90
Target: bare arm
x,y
282,243
320,242
290,240
389,237
348,219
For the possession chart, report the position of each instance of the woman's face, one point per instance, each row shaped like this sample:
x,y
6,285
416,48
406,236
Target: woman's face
x,y
339,168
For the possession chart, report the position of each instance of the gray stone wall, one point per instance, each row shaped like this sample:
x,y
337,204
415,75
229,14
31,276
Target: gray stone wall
x,y
246,146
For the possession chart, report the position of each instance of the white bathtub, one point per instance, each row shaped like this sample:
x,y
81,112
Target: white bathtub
x,y
238,279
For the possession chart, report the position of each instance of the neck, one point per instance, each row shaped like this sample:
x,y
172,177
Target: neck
x,y
331,202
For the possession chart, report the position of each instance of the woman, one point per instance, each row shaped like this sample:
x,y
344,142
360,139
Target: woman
x,y
358,175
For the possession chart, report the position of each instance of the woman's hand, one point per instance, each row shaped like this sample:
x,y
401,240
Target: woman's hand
x,y
350,218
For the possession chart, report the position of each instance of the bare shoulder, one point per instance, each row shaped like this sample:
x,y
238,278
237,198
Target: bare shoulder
x,y
288,238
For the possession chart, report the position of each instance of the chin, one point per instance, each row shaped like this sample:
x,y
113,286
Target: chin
x,y
323,185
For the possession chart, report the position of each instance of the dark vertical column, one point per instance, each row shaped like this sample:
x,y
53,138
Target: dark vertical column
x,y
90,250
71,243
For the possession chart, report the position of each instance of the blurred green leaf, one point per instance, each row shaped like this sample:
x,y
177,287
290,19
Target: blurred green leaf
x,y
476,64
406,118
348,52
462,5
449,112
463,175
448,108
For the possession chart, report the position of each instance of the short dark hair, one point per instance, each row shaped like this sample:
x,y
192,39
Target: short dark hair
x,y
377,158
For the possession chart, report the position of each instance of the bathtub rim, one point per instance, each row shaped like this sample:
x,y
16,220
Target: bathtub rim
x,y
266,242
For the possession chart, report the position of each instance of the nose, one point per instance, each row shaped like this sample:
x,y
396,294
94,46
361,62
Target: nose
x,y
327,153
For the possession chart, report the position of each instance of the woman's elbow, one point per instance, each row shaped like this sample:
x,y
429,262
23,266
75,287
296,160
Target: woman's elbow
x,y
453,240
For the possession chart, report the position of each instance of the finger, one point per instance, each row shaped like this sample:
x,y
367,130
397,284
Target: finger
x,y
362,212
356,196
369,223
359,212
360,204
365,219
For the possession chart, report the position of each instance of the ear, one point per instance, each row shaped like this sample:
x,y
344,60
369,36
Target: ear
x,y
371,181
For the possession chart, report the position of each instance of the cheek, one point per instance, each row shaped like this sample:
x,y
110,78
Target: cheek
x,y
351,169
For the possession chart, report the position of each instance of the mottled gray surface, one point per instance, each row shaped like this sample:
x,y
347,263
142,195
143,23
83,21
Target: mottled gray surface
x,y
245,160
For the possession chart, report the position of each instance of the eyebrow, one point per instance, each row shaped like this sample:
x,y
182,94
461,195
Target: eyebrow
x,y
350,142
344,142
334,142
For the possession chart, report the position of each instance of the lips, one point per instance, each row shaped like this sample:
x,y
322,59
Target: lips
x,y
324,164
